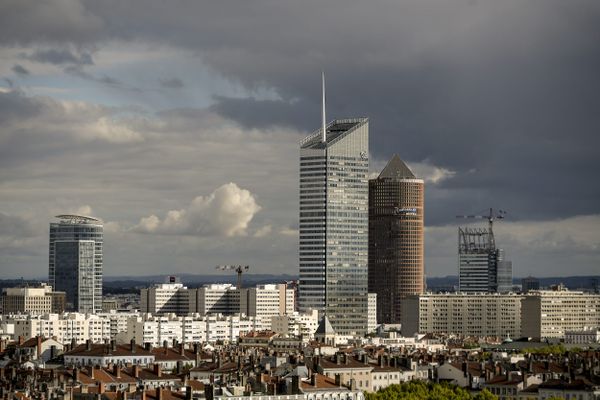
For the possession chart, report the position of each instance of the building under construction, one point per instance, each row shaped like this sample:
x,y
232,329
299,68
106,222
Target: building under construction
x,y
482,267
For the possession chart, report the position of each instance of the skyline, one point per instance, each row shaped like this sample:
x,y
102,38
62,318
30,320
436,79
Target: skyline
x,y
179,127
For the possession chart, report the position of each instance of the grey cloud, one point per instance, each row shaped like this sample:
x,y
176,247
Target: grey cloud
x,y
55,21
20,70
79,71
15,226
60,57
171,83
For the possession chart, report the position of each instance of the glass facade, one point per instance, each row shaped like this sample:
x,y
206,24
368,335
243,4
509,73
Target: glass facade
x,y
75,262
482,267
334,224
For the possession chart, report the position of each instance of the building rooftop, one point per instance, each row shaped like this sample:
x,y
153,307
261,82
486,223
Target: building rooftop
x,y
336,130
396,169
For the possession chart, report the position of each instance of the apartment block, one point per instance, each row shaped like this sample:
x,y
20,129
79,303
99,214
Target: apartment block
x,y
551,313
478,314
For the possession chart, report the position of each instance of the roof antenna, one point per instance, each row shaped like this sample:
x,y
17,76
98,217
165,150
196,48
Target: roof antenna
x,y
323,119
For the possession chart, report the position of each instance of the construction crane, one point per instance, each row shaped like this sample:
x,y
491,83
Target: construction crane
x,y
491,217
240,269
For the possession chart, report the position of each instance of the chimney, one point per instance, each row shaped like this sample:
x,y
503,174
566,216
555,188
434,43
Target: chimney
x,y
157,370
338,360
88,345
21,340
338,380
352,384
76,374
132,346
113,345
158,393
182,349
165,344
117,371
295,384
148,346
101,387
143,397
39,346
313,379
188,393
174,343
52,351
179,367
136,371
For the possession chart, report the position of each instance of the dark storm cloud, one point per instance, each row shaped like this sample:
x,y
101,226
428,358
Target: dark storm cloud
x,y
60,57
20,70
502,93
251,112
171,83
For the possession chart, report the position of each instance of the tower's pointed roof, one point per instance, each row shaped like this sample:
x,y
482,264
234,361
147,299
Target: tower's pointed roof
x,y
325,327
396,168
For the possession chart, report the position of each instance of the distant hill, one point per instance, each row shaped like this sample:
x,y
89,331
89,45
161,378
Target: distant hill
x,y
571,282
134,283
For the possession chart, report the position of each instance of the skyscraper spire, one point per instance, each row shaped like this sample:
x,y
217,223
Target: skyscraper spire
x,y
323,119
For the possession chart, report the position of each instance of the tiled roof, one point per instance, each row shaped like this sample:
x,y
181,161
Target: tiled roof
x,y
105,350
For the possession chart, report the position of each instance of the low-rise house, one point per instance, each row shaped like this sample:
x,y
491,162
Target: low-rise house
x,y
108,353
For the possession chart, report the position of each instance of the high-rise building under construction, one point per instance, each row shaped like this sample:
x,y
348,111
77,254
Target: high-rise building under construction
x,y
396,240
482,267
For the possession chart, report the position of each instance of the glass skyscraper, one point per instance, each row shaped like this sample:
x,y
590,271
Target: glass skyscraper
x,y
75,261
482,268
334,218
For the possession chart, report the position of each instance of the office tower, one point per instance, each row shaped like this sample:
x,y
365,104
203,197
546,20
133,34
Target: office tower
x,y
481,266
530,283
75,261
334,169
396,238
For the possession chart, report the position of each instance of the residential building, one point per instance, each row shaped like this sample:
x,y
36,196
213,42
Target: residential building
x,y
396,238
549,314
75,261
35,300
165,298
334,169
267,300
473,314
215,299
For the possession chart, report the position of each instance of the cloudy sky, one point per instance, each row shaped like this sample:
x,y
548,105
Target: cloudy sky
x,y
177,123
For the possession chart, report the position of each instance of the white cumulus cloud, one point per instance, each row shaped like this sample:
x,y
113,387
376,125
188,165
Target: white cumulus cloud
x,y
225,212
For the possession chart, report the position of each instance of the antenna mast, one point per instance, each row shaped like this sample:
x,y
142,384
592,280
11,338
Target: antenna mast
x,y
323,119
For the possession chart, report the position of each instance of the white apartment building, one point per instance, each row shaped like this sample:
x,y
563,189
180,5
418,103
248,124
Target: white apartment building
x,y
157,330
477,314
222,298
296,324
65,327
165,298
551,313
68,326
266,300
